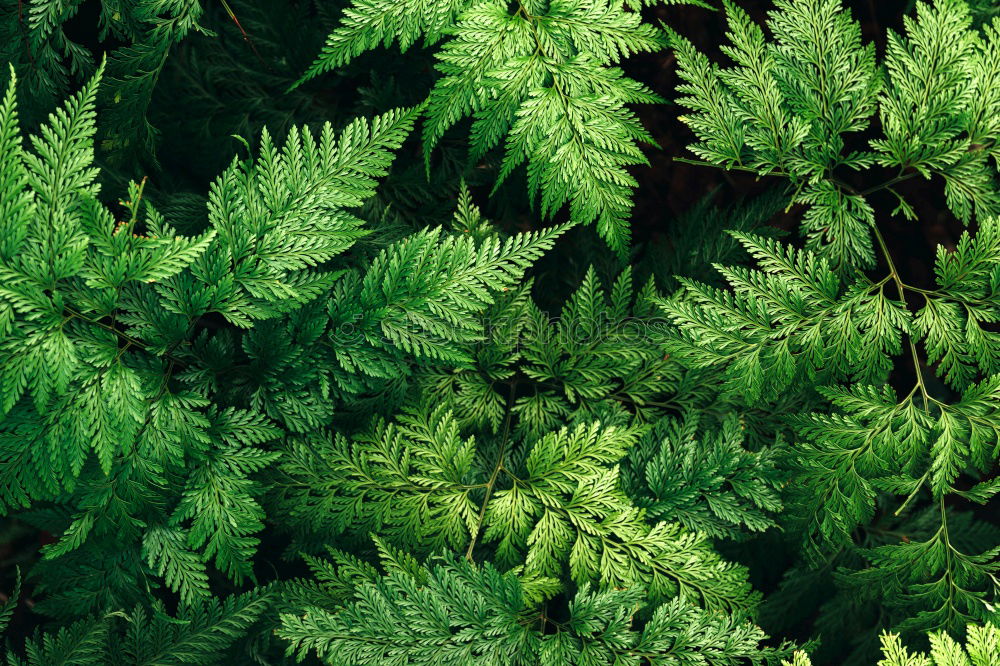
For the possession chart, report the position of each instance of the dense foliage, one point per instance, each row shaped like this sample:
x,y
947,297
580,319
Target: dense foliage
x,y
333,333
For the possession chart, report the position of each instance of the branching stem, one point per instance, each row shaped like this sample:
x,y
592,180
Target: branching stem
x,y
902,297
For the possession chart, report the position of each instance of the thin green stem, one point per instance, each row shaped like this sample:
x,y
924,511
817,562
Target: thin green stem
x,y
501,454
902,297
124,336
916,489
684,160
949,554
925,292
129,340
889,183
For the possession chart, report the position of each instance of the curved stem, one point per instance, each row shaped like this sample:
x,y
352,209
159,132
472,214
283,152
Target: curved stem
x,y
505,438
889,183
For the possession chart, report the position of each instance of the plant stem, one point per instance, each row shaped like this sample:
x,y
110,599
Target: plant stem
x,y
902,297
909,498
685,160
168,354
501,454
889,183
